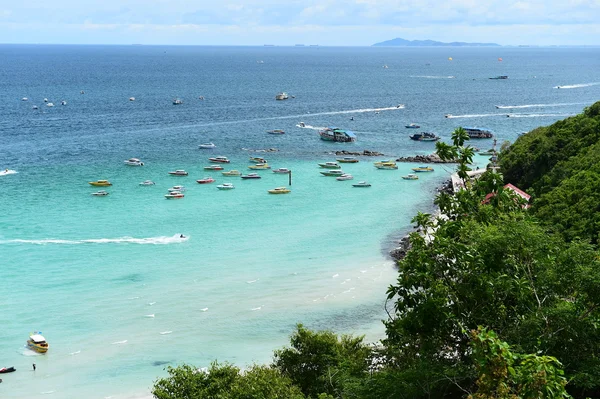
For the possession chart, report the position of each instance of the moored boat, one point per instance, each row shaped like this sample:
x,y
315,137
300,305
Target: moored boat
x,y
232,172
385,165
134,162
279,190
282,171
205,180
174,195
333,172
207,145
423,169
478,133
424,136
37,343
500,77
259,166
276,131
5,370
225,186
412,126
257,160
345,176
251,176
179,172
411,176
177,188
338,135
177,101
213,167
101,193
100,183
147,183
330,165
361,184
347,160
219,159
281,96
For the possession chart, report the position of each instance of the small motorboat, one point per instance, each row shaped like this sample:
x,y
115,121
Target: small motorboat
x,y
412,126
232,172
213,167
177,101
400,106
131,98
276,131
225,186
251,176
280,190
301,124
389,165
207,146
258,160
134,162
5,370
259,166
50,105
345,176
101,193
100,183
448,116
45,100
423,169
347,160
205,180
219,159
282,171
334,172
37,343
424,136
411,176
281,96
361,184
24,99
63,102
147,183
174,195
179,172
35,107
177,188
330,165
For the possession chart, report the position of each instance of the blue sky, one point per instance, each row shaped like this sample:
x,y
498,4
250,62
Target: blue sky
x,y
324,22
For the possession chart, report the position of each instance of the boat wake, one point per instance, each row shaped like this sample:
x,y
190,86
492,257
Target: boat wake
x,y
309,127
161,240
7,172
536,105
432,77
120,342
539,115
577,86
473,116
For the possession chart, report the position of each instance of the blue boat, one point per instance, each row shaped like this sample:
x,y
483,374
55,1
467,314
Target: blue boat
x,y
338,135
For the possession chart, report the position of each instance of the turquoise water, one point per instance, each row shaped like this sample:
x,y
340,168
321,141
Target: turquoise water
x,y
90,272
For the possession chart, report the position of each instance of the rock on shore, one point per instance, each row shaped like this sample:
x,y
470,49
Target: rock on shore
x,y
431,158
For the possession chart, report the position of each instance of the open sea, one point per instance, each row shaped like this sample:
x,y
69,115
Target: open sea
x,y
109,282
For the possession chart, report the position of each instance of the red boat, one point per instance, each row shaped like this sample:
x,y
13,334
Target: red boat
x,y
7,370
206,180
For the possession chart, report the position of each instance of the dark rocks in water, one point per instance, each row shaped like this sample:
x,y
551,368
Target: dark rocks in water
x,y
446,187
431,158
400,252
160,362
366,153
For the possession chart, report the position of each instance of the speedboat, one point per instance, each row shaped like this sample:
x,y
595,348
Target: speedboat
x,y
63,102
147,183
5,370
177,101
37,343
219,159
207,145
301,124
386,165
347,160
330,165
361,184
232,173
100,193
251,176
50,105
448,116
24,99
179,172
134,162
213,167
276,131
100,183
131,98
334,172
177,188
259,166
35,107
281,96
258,160
174,195
280,190
411,176
423,169
225,186
345,176
412,126
45,100
205,180
282,171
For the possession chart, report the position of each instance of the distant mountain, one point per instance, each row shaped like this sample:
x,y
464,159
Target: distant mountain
x,y
430,43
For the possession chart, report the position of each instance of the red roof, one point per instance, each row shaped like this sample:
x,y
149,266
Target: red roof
x,y
514,189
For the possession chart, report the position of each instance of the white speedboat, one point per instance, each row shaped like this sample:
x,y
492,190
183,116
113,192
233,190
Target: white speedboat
x,y
177,101
131,98
179,172
225,186
219,159
345,176
177,188
49,105
24,99
35,107
361,184
174,195
63,102
45,100
147,183
282,171
100,193
207,145
134,162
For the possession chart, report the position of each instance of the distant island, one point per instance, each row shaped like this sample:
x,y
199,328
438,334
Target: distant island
x,y
431,43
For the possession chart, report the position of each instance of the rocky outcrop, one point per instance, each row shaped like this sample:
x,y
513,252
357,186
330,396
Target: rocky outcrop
x,y
403,246
366,153
431,158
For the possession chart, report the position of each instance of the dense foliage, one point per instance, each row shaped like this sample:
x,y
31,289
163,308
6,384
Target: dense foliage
x,y
490,303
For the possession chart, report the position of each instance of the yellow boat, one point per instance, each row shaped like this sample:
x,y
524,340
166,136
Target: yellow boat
x,y
232,173
101,183
37,343
423,169
259,166
258,160
386,165
280,190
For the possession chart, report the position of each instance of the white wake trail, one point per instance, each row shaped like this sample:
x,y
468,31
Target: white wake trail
x,y
536,105
161,240
577,86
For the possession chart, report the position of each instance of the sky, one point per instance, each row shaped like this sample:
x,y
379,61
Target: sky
x,y
289,22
